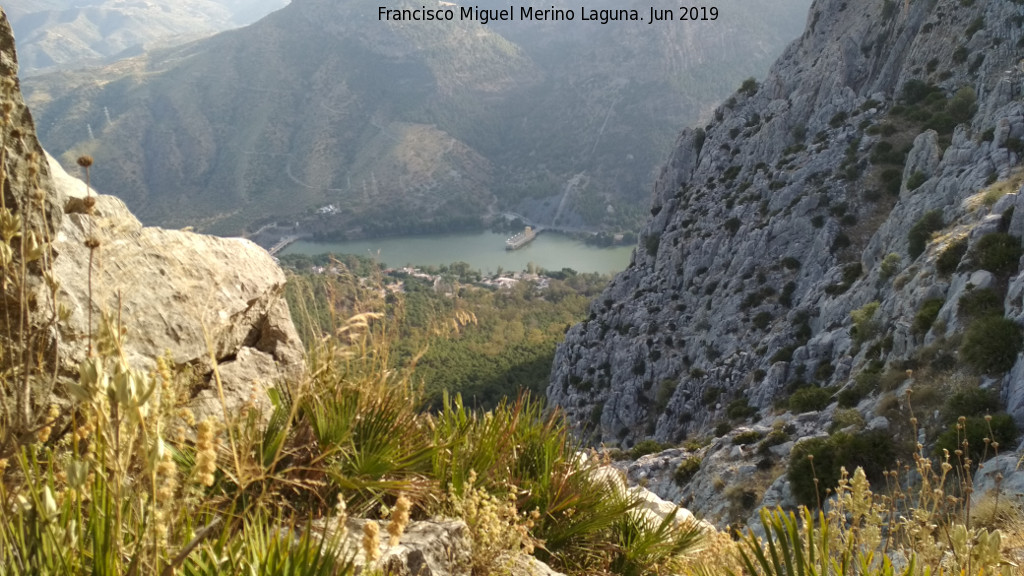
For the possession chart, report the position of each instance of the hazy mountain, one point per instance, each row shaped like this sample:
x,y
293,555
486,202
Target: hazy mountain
x,y
71,33
403,125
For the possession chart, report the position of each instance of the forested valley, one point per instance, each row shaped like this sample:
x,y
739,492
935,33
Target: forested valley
x,y
459,332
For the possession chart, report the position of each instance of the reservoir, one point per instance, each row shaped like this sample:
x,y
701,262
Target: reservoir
x,y
484,251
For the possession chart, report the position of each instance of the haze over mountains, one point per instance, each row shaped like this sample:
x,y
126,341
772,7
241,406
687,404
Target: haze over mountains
x,y
403,126
64,34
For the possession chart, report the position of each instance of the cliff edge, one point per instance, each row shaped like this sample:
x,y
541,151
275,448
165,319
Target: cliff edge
x,y
198,300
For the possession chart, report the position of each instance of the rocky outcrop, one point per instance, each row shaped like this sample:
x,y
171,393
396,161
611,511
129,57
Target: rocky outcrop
x,y
437,547
201,300
429,548
198,300
874,144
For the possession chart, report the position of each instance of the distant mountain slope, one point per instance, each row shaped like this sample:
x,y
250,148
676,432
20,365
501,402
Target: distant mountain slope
x,y
322,103
71,33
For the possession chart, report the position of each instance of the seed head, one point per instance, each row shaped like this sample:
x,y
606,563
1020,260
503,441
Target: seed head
x,y
399,520
85,161
371,542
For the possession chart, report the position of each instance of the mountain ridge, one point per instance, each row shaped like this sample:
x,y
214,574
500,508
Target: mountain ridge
x,y
65,34
327,63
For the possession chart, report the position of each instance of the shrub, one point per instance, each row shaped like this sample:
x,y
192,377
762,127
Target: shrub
x,y
711,395
777,436
809,399
891,181
786,296
970,402
746,437
761,320
699,136
874,451
749,87
852,272
686,470
916,180
645,447
824,371
1001,428
841,241
921,232
999,253
852,395
739,409
666,389
844,419
890,265
949,260
979,303
732,225
960,54
991,344
651,243
963,105
915,91
865,327
926,315
784,354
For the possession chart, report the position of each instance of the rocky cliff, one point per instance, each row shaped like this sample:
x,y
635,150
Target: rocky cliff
x,y
198,300
819,237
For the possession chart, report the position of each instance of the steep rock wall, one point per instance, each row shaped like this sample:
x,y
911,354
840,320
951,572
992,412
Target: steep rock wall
x,y
770,224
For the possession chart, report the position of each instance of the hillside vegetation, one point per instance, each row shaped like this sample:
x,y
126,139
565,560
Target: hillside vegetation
x,y
463,335
411,126
66,34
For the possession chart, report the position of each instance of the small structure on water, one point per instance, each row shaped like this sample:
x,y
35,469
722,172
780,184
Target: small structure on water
x,y
521,239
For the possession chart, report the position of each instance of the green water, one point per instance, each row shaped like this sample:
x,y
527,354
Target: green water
x,y
484,251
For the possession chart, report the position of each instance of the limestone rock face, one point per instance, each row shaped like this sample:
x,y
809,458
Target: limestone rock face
x,y
201,300
1002,474
769,212
782,215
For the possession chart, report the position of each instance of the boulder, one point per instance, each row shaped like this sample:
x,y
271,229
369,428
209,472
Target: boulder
x,y
201,300
206,302
439,547
1002,472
